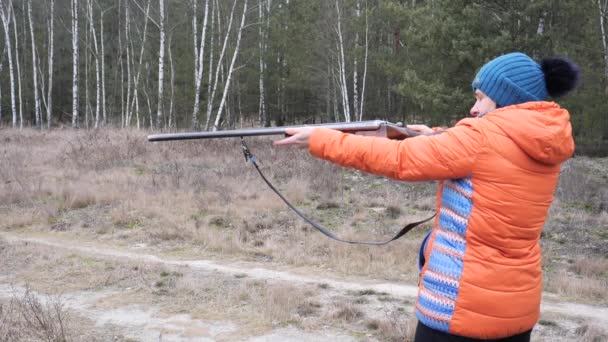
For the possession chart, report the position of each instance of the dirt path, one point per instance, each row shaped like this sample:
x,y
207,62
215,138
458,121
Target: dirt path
x,y
252,270
140,323
148,323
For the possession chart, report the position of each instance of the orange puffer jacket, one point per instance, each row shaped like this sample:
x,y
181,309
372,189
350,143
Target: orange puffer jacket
x,y
482,276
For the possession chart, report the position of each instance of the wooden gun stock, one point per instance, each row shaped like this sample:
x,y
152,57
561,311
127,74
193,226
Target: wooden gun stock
x,y
377,128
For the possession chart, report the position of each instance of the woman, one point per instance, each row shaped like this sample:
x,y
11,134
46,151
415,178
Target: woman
x,y
498,170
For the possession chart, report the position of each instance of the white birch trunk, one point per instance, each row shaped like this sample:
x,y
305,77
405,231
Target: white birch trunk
x,y
5,16
172,77
18,64
365,67
34,67
231,69
195,123
389,98
140,63
603,8
42,89
261,61
199,72
263,16
87,32
328,95
161,65
195,35
136,100
129,79
214,5
151,119
97,67
219,65
122,70
75,63
540,30
344,85
51,59
282,84
97,73
283,81
265,64
239,101
341,87
355,65
1,70
335,95
279,92
103,70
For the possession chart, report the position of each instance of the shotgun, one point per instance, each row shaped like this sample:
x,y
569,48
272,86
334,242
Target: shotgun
x,y
377,128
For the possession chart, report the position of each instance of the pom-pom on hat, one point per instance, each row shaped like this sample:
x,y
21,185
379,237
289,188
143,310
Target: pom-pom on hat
x,y
516,78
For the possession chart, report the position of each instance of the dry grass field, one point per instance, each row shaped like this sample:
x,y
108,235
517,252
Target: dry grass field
x,y
111,190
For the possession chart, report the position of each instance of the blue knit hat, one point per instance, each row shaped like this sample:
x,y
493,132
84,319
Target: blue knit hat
x,y
512,79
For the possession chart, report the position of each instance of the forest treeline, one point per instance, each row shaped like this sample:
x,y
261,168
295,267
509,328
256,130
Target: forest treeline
x,y
216,64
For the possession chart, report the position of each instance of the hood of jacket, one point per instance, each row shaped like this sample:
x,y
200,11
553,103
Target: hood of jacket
x,y
541,129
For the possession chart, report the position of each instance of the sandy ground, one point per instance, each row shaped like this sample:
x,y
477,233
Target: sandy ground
x,y
149,323
135,322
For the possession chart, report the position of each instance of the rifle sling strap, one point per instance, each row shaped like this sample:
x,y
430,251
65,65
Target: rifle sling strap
x,y
250,158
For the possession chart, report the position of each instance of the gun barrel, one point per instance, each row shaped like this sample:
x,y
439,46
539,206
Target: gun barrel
x,y
341,126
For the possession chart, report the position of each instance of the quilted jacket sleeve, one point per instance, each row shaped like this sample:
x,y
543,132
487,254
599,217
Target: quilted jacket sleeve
x,y
448,155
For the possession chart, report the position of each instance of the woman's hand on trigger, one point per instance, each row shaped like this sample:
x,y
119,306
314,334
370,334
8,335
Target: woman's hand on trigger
x,y
298,137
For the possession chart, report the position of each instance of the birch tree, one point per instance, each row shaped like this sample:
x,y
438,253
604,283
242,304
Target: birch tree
x,y
603,12
45,97
210,87
93,33
365,63
264,24
286,76
231,68
17,62
135,100
127,115
34,67
51,44
355,63
172,83
1,70
199,64
282,62
121,66
195,120
194,4
342,66
161,64
145,91
75,63
219,65
334,87
103,64
5,9
87,55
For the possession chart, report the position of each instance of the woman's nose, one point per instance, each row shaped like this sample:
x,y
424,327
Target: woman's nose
x,y
474,111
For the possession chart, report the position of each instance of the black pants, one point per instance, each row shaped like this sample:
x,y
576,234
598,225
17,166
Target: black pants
x,y
426,334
